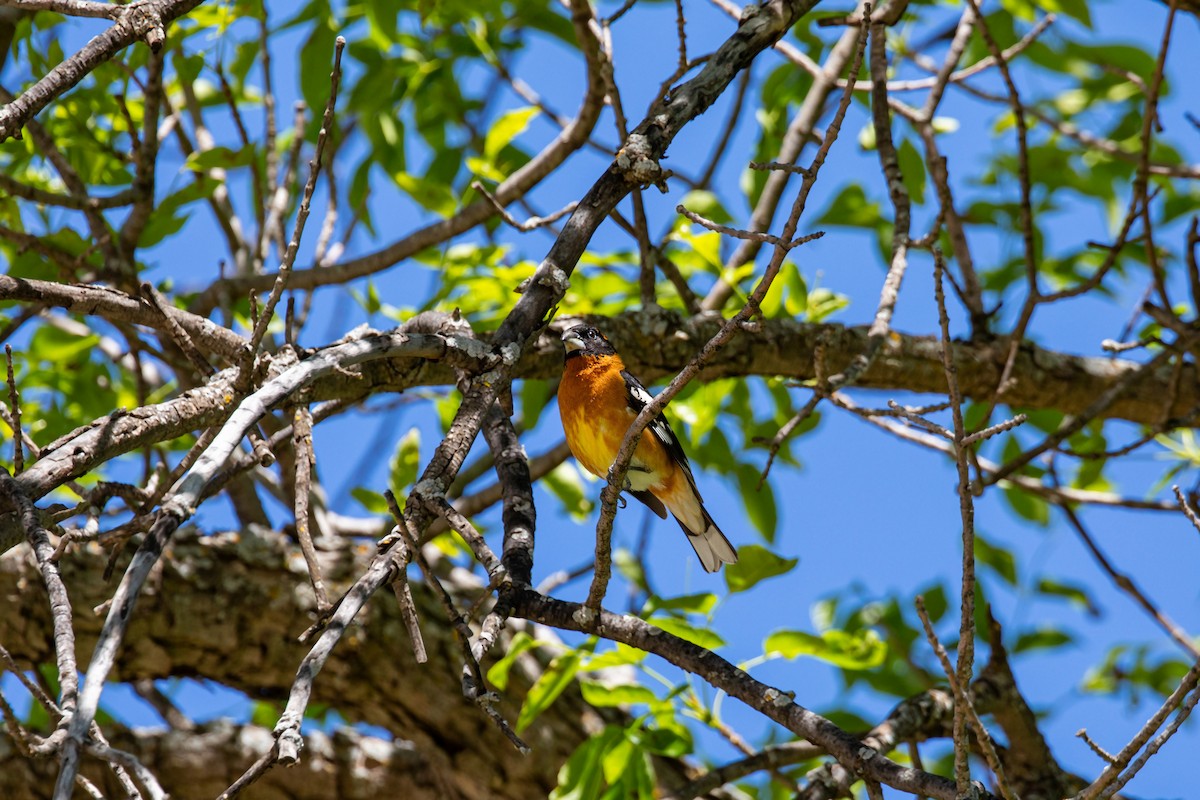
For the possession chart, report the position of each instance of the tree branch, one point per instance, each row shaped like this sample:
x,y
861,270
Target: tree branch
x,y
136,21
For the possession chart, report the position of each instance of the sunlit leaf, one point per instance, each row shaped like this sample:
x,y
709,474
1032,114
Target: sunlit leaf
x,y
508,127
498,673
755,564
998,558
406,460
688,632
602,694
549,685
860,650
1042,639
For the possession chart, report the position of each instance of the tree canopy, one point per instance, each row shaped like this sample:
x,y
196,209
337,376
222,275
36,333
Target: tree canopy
x,y
284,484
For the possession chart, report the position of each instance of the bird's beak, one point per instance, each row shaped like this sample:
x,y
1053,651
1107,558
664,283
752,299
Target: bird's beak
x,y
572,341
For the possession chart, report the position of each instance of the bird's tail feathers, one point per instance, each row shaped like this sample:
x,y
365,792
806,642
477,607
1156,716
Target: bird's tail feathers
x,y
710,544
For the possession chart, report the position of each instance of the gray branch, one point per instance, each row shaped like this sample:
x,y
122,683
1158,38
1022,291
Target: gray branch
x,y
144,20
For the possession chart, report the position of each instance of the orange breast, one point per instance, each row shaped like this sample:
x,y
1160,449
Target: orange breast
x,y
596,415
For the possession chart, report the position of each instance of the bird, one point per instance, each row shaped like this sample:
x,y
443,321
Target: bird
x,y
598,400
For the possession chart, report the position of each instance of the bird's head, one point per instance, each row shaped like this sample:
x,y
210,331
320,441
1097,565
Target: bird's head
x,y
584,340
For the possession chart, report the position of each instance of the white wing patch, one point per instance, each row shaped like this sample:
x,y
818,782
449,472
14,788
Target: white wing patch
x,y
658,426
664,433
640,393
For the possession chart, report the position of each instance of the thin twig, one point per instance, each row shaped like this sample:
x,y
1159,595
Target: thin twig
x,y
963,698
261,766
966,637
178,334
1126,584
1111,779
408,608
14,403
1095,747
738,233
302,445
530,224
314,169
56,590
1186,508
473,684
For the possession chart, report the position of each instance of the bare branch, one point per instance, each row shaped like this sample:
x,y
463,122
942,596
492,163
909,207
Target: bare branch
x,y
140,21
1186,508
314,169
1113,778
305,459
858,758
963,699
571,139
14,403
530,224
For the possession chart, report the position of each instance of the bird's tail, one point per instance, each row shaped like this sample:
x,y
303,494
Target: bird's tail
x,y
709,543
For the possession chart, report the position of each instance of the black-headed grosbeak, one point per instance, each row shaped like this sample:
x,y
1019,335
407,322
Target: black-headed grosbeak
x,y
598,401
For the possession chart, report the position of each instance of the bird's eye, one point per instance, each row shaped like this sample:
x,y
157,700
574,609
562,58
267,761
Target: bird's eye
x,y
591,334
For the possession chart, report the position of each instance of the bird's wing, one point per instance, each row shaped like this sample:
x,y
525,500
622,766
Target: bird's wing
x,y
638,398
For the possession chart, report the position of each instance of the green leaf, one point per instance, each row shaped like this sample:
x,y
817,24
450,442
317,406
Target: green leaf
x,y
998,558
702,603
858,650
373,502
58,346
549,685
688,632
630,568
773,301
867,137
620,656
672,742
38,718
565,483
534,396
912,170
603,695
935,602
822,303
945,124
796,302
700,408
264,713
432,195
615,762
851,207
219,158
1042,639
498,673
1077,595
317,62
1072,8
580,778
755,564
406,460
508,127
707,205
168,218
1027,505
706,244
759,502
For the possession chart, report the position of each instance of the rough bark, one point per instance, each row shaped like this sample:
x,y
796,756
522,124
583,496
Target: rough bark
x,y
229,607
201,763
